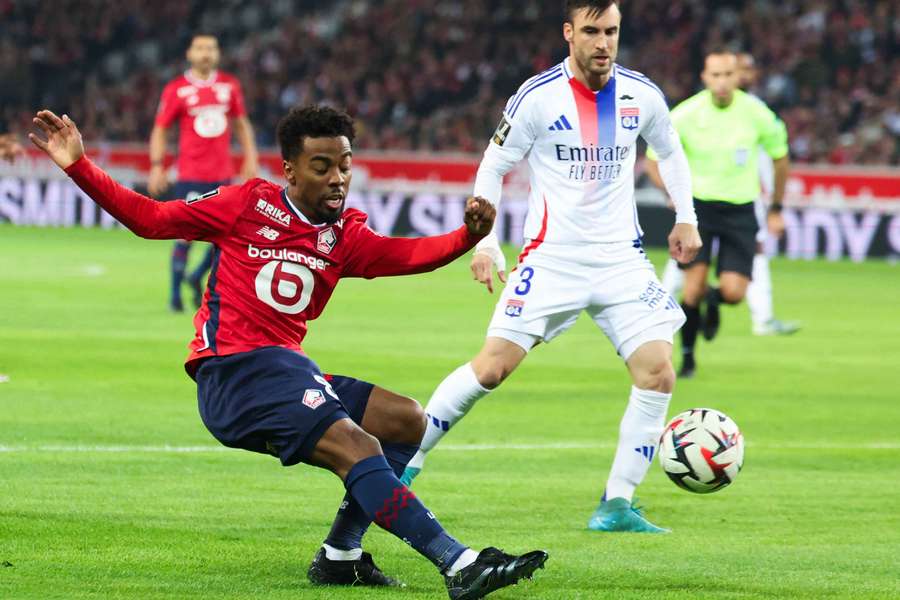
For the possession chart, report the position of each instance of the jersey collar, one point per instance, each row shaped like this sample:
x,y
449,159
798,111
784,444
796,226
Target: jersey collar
x,y
202,83
583,89
293,209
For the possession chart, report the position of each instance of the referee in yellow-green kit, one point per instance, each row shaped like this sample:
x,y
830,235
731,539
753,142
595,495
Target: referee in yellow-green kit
x,y
722,129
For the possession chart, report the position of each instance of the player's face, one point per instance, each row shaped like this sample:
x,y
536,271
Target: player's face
x,y
720,76
321,177
747,72
594,40
203,54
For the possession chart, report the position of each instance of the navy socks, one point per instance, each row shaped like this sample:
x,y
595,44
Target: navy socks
x,y
374,486
351,521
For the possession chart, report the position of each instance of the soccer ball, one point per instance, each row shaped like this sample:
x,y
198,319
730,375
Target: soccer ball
x,y
701,450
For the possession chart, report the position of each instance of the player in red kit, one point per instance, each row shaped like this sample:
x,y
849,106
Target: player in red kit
x,y
279,252
206,103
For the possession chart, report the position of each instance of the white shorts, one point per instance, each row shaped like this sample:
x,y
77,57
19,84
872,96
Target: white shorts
x,y
614,283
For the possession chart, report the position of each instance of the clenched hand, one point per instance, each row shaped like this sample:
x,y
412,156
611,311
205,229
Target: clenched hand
x,y
684,242
479,217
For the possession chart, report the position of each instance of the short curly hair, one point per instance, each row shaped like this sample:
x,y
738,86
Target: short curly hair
x,y
311,121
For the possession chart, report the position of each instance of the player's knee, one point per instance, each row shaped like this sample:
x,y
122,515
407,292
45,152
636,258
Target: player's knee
x,y
491,374
657,376
409,424
732,294
493,365
360,444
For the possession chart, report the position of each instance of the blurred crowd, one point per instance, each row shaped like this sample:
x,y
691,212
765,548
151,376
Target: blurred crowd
x,y
421,75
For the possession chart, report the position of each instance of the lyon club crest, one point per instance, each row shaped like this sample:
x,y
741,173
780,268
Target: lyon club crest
x,y
629,116
327,240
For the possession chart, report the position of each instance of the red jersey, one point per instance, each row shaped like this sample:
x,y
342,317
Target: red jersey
x,y
204,109
273,270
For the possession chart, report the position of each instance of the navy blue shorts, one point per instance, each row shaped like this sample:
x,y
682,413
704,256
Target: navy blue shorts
x,y
191,189
275,401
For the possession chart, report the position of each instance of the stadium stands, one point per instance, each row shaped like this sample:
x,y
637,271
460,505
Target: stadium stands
x,y
434,76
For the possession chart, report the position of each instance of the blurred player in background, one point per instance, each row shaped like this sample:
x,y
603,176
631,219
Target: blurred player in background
x,y
10,148
759,292
279,253
726,185
577,123
206,103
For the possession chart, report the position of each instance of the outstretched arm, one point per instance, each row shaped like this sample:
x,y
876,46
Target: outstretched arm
x,y
142,215
377,256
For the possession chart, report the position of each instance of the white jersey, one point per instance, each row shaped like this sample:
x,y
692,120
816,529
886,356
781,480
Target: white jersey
x,y
580,147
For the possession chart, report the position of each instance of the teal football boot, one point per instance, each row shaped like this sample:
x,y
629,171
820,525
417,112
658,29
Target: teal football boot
x,y
409,473
618,515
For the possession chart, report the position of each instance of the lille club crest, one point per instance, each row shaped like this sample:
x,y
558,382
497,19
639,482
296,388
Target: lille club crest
x,y
313,398
327,240
629,117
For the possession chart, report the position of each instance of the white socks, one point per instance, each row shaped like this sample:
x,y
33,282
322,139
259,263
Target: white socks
x,y
332,553
759,293
452,399
673,277
639,433
465,559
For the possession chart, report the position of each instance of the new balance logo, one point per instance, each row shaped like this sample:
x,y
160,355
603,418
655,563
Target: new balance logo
x,y
646,451
268,233
561,124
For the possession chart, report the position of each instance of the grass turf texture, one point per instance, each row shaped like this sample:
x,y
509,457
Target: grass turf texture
x,y
94,360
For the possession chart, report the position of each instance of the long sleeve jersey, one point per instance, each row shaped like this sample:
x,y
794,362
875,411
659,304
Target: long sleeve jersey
x,y
272,270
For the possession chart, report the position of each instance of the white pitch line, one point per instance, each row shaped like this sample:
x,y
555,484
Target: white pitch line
x,y
168,449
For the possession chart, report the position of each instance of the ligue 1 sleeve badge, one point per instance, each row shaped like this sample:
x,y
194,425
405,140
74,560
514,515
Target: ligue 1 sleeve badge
x,y
327,240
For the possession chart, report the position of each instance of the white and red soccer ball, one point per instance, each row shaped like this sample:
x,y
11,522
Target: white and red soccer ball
x,y
701,450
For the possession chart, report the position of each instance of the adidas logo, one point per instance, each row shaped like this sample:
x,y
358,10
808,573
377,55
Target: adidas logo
x,y
439,423
561,124
646,451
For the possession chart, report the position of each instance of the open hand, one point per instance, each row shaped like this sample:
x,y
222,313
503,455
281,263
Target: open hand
x,y
684,242
63,144
483,264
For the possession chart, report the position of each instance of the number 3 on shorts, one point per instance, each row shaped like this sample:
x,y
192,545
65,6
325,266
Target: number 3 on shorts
x,y
524,281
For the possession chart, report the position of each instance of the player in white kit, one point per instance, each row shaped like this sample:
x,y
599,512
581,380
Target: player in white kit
x,y
577,124
759,292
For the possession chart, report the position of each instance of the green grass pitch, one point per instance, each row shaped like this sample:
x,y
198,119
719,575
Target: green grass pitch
x,y
97,501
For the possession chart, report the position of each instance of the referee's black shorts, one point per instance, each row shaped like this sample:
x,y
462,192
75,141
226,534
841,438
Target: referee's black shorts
x,y
735,227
